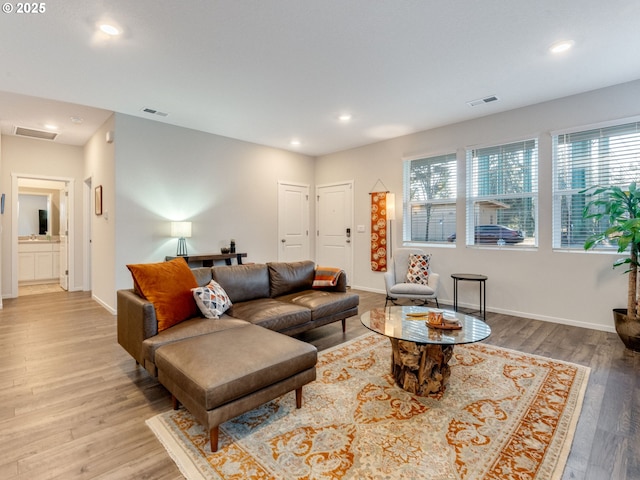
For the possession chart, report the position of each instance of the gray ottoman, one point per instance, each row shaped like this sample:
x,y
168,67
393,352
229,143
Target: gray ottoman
x,y
224,374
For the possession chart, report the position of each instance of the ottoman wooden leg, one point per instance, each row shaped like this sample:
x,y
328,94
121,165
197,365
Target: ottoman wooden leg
x,y
213,435
175,402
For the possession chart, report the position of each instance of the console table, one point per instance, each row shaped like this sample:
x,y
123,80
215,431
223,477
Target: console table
x,y
208,259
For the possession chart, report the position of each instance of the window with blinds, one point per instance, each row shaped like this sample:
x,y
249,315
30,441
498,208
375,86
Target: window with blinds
x,y
430,186
601,156
502,194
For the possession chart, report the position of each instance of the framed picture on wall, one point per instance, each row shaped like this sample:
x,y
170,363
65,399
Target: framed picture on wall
x,y
99,200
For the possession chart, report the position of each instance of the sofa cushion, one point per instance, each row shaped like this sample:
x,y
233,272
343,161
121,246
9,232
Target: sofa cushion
x,y
217,369
290,277
270,313
211,299
243,282
321,303
202,274
189,328
168,286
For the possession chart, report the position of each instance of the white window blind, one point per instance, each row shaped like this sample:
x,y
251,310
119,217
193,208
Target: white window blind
x,y
601,156
430,186
502,194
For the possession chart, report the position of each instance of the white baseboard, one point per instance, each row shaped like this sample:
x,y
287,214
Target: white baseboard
x,y
533,316
104,305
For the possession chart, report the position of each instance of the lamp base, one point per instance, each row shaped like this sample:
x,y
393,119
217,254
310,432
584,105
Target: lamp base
x,y
182,247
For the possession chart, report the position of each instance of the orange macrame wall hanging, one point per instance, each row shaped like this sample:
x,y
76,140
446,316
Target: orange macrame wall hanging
x,y
379,231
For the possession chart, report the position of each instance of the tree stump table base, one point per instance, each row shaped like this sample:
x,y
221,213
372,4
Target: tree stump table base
x,y
420,369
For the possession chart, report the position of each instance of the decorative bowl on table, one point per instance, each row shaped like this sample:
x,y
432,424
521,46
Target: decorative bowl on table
x,y
225,250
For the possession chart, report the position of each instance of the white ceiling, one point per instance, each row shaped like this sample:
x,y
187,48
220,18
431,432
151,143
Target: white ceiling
x,y
274,70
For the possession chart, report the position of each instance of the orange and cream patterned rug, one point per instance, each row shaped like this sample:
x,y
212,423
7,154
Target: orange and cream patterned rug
x,y
504,415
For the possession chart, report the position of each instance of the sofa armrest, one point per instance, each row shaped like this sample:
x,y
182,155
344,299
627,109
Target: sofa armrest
x,y
136,322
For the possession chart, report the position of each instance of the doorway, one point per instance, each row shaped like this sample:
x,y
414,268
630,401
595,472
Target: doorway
x,y
293,222
41,259
334,213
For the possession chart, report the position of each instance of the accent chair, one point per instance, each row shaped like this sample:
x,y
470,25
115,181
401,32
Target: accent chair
x,y
419,284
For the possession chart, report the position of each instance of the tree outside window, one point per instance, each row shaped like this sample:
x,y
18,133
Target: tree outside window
x,y
430,186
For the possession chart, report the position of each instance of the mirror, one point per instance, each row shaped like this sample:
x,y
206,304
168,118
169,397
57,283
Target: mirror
x,y
37,213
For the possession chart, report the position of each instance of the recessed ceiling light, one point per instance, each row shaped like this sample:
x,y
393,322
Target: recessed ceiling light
x,y
562,46
295,143
345,117
77,120
50,126
109,29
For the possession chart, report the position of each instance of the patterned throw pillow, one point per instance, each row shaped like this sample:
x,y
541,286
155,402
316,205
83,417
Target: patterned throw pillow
x,y
212,300
418,271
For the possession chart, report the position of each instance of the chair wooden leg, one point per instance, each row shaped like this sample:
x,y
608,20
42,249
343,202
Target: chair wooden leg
x,y
344,325
213,437
299,397
437,304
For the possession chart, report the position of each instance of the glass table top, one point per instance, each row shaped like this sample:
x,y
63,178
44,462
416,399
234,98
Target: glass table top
x,y
395,323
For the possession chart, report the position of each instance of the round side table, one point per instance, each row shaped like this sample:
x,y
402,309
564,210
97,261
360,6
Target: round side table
x,y
471,277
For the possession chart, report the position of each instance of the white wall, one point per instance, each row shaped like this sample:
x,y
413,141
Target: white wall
x,y
574,288
42,158
227,188
99,168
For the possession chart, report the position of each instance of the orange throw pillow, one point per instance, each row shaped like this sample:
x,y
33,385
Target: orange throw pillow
x,y
168,286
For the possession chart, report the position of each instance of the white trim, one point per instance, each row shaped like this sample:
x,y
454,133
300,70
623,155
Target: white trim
x,y
523,138
429,155
595,126
87,198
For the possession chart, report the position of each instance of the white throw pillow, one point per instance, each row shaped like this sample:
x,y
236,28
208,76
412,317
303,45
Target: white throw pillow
x,y
212,300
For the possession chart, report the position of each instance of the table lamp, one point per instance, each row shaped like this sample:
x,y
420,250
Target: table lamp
x,y
181,230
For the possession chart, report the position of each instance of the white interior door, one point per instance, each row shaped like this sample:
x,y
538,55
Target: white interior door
x,y
335,226
293,222
64,238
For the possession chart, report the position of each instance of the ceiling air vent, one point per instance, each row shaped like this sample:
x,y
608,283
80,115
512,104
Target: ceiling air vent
x,y
482,101
31,133
153,111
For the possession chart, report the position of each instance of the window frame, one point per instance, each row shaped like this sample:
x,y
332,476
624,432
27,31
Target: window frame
x,y
558,194
473,198
450,159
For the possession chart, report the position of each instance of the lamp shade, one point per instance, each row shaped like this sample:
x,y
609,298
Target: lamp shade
x,y
181,229
391,206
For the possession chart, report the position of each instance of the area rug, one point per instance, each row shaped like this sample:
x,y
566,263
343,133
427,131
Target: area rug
x,y
503,415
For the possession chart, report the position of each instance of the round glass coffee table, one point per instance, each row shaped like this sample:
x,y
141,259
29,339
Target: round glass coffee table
x,y
420,352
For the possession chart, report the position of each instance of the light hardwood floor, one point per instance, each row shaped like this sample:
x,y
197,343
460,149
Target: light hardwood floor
x,y
73,404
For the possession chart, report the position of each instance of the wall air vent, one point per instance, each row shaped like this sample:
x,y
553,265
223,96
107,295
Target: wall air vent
x,y
153,111
31,133
482,101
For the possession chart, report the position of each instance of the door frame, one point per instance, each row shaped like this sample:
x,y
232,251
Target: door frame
x,y
15,177
350,184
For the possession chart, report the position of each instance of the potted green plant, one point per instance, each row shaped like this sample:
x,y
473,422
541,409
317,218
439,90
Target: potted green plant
x,y
621,208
